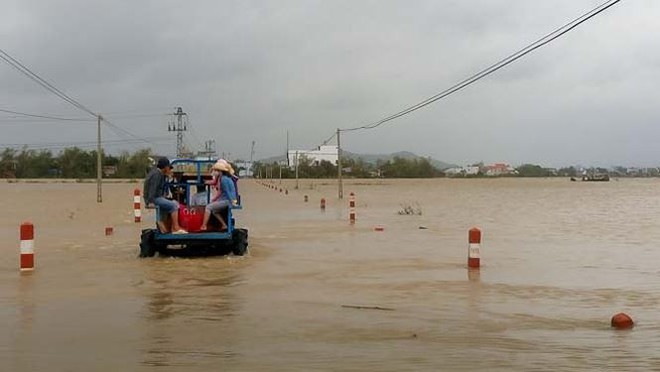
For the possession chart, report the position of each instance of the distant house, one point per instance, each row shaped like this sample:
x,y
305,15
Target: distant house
x,y
327,153
472,170
109,170
498,169
244,168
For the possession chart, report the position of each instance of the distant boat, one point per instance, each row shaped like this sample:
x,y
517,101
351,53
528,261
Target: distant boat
x,y
573,179
596,177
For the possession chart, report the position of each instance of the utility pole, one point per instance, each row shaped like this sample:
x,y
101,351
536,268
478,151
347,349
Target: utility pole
x,y
339,180
280,173
209,149
296,169
252,161
179,127
99,174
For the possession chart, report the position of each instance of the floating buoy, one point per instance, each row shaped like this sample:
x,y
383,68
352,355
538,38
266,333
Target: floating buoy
x,y
622,321
322,203
379,228
109,231
27,246
306,198
474,248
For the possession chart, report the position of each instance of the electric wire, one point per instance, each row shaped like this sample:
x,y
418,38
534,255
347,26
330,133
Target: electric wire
x,y
9,121
57,145
39,80
193,133
13,62
494,67
121,132
43,116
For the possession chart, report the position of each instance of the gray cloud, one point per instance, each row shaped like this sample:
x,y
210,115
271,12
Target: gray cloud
x,y
250,70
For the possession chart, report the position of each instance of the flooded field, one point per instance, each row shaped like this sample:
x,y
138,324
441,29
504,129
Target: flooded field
x,y
559,258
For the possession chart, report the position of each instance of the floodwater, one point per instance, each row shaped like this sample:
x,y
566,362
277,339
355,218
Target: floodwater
x,y
559,258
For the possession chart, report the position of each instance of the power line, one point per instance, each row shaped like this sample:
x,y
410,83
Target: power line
x,y
121,132
9,121
194,134
491,69
43,116
39,80
55,145
134,116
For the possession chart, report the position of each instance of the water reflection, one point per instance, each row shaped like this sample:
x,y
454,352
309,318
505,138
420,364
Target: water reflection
x,y
190,305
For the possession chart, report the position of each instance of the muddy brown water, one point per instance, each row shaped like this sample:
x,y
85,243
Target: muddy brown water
x,y
559,258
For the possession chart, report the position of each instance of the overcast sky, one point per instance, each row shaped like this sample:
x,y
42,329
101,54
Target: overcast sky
x,y
251,70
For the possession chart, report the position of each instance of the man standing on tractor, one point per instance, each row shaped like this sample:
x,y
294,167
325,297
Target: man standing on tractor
x,y
154,196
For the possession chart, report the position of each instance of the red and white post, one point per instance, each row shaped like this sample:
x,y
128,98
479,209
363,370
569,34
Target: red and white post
x,y
137,209
474,248
351,208
27,246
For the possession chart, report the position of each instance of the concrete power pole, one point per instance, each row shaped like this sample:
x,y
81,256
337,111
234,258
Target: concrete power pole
x,y
251,170
340,184
99,171
179,126
296,169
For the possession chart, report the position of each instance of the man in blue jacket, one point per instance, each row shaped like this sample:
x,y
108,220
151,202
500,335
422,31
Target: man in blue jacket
x,y
154,195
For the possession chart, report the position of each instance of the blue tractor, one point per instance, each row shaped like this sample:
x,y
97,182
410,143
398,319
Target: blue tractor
x,y
188,187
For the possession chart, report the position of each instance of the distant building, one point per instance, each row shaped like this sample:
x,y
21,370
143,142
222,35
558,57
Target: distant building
x,y
327,153
244,168
109,170
462,171
498,169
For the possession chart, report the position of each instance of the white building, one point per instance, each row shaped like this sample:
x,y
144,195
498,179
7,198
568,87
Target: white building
x,y
462,171
327,153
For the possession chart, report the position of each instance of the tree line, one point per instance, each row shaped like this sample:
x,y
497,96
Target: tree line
x,y
351,168
71,162
76,163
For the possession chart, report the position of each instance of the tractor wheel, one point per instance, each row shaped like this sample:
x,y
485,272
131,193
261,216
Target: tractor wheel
x,y
147,243
239,242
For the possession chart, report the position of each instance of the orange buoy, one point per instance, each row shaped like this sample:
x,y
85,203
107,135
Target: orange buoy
x,y
322,203
109,231
379,228
622,321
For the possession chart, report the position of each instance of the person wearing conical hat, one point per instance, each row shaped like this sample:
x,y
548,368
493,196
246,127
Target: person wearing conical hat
x,y
224,198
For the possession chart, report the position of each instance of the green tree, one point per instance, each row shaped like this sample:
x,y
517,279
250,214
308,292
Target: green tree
x,y
532,170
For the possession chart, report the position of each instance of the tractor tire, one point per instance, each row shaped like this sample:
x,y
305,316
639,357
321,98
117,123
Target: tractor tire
x,y
239,242
147,243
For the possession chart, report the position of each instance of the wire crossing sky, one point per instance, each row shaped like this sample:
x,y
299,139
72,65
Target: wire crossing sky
x,y
253,71
498,65
13,62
